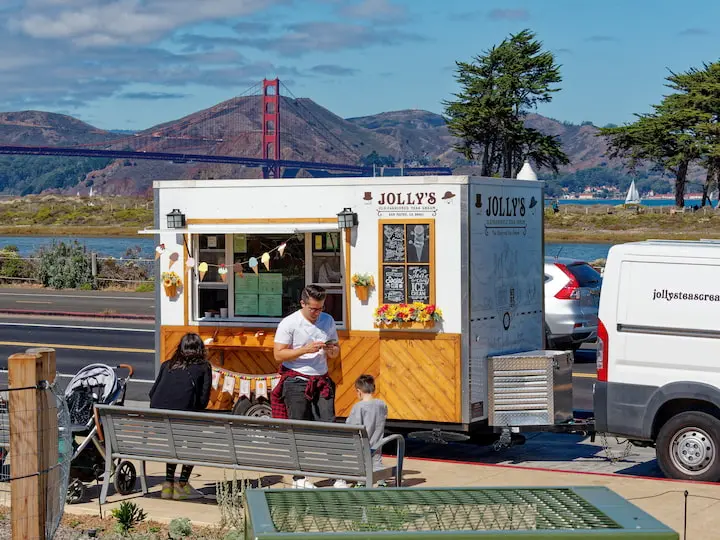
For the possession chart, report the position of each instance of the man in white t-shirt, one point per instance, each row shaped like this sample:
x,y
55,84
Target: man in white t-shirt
x,y
304,341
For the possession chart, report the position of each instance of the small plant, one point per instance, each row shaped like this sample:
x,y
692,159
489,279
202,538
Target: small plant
x,y
171,278
234,535
231,501
154,529
399,313
362,280
145,287
129,515
180,528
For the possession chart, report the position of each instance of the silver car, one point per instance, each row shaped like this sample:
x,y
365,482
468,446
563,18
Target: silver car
x,y
572,296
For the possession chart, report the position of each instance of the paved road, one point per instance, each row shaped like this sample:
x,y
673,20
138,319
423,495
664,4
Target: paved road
x,y
37,299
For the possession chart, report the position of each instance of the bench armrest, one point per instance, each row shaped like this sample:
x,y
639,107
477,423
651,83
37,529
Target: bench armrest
x,y
400,440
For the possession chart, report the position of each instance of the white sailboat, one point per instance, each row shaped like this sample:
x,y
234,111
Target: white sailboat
x,y
633,195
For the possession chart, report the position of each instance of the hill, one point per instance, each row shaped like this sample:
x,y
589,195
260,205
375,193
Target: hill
x,y
309,132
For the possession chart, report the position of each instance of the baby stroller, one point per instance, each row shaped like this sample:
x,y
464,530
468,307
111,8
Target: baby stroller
x,y
94,384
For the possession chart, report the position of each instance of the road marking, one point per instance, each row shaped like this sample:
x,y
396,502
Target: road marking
x,y
74,296
31,302
585,375
77,327
76,347
67,376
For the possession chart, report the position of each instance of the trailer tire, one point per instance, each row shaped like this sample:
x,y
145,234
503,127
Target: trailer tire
x,y
241,406
688,447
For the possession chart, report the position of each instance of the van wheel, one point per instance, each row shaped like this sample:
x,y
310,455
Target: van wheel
x,y
687,447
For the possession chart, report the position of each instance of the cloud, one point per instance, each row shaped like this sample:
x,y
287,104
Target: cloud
x,y
248,27
509,14
105,23
333,70
196,42
300,39
152,96
600,39
563,51
374,10
692,32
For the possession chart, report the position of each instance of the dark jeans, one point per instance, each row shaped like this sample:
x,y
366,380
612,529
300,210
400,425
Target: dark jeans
x,y
300,408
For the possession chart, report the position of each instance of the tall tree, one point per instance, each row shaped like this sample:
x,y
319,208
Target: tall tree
x,y
498,89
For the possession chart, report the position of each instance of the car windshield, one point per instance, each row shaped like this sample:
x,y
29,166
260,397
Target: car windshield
x,y
585,274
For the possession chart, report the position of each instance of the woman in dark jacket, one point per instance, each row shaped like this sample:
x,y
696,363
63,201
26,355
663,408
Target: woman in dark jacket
x,y
183,384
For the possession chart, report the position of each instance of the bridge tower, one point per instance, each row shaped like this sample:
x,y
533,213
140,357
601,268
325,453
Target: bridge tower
x,y
271,126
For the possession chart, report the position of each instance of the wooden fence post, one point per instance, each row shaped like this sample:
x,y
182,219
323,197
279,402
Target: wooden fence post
x,y
31,441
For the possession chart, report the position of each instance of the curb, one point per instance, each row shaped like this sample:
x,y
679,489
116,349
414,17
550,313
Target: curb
x,y
129,316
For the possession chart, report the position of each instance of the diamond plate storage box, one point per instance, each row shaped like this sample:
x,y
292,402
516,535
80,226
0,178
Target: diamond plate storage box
x,y
530,389
447,513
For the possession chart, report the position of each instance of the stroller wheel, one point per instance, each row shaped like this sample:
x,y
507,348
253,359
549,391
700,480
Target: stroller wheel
x,y
125,478
75,491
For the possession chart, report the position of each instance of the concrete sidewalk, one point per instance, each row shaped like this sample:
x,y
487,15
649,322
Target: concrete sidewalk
x,y
663,499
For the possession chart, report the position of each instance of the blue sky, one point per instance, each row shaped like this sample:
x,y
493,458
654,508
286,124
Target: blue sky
x,y
130,64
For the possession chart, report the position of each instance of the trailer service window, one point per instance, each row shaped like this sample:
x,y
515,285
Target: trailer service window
x,y
407,261
271,294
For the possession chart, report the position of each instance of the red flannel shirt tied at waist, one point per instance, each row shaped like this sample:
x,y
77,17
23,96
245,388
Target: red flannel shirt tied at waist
x,y
317,386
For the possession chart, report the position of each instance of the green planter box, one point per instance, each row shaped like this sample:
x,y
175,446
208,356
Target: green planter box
x,y
429,513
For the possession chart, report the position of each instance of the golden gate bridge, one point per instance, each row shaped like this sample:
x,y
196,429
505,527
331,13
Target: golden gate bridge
x,y
258,122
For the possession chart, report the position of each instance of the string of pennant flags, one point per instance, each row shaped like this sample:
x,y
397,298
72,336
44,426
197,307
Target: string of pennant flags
x,y
261,384
238,267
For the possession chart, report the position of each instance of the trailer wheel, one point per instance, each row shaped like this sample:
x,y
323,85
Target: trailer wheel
x,y
241,406
687,447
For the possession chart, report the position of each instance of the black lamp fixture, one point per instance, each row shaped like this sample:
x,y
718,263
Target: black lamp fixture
x,y
347,219
175,219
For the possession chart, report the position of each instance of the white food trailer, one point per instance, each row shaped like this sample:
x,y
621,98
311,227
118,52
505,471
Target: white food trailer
x,y
472,248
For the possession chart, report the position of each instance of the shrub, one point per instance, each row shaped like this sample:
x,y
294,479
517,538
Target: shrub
x,y
145,287
180,528
65,266
129,515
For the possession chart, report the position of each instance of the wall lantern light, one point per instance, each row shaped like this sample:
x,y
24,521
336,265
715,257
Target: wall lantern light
x,y
175,219
347,219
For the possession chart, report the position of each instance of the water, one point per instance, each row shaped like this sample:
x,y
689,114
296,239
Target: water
x,y
615,202
116,247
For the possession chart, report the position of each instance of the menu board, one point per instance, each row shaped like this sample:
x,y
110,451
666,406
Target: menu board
x,y
270,283
246,304
393,284
247,283
393,243
418,243
269,305
418,280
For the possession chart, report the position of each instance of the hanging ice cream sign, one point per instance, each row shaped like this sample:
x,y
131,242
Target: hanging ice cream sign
x,y
407,204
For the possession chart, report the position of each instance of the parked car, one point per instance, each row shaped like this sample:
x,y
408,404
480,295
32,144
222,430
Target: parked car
x,y
572,296
658,381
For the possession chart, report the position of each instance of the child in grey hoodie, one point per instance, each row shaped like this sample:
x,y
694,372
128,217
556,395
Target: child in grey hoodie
x,y
371,413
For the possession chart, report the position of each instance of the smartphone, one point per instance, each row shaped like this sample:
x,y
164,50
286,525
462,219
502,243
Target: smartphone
x,y
331,342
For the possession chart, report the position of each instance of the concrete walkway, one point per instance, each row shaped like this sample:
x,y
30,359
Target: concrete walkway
x,y
663,499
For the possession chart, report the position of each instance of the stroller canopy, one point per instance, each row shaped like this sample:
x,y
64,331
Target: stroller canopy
x,y
96,376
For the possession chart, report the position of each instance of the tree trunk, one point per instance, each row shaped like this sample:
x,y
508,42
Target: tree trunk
x,y
507,161
485,171
705,197
709,183
680,183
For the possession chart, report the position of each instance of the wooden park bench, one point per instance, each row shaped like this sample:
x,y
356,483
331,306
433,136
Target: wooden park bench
x,y
320,449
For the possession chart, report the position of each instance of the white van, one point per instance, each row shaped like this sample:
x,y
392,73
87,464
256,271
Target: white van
x,y
658,355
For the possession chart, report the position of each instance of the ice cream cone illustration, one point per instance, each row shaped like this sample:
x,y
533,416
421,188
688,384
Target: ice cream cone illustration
x,y
202,270
174,256
238,269
159,250
418,240
265,259
222,272
281,248
190,263
253,264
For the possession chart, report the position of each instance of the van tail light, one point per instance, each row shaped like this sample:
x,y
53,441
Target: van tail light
x,y
601,358
571,291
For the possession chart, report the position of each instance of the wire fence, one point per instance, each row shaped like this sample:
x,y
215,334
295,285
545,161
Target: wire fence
x,y
35,456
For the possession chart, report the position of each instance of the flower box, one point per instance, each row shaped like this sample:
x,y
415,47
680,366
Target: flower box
x,y
417,315
406,325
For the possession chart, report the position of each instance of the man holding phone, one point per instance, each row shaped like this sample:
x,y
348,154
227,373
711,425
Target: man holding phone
x,y
304,341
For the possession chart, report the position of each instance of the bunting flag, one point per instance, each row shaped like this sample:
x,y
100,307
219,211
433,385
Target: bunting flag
x,y
222,272
245,388
265,259
215,380
253,264
229,385
202,269
238,269
190,263
281,249
261,388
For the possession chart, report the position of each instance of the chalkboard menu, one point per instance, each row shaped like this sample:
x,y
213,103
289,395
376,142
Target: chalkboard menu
x,y
393,243
418,283
393,284
406,267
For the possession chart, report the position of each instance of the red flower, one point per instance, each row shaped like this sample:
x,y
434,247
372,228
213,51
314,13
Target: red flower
x,y
430,309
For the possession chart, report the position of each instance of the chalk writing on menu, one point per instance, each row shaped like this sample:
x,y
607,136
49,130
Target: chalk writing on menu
x,y
393,243
393,284
418,278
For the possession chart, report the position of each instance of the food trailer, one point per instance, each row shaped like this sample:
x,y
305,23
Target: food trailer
x,y
435,283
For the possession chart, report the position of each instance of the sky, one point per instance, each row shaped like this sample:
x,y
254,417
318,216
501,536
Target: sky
x,y
131,64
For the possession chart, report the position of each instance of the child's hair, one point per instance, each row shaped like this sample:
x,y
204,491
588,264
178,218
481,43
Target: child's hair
x,y
190,351
366,384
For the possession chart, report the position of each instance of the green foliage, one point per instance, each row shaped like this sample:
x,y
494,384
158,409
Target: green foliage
x,y
128,516
65,266
234,535
373,158
12,265
597,177
145,287
498,89
180,528
23,175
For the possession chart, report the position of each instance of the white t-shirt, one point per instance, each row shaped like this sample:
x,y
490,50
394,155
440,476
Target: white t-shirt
x,y
295,330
